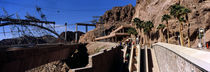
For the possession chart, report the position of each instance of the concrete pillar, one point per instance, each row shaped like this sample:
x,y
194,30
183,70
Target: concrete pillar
x,y
86,28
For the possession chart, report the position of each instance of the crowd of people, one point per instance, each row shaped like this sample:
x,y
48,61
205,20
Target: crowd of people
x,y
129,42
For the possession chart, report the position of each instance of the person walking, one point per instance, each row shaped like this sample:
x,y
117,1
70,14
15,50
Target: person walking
x,y
137,40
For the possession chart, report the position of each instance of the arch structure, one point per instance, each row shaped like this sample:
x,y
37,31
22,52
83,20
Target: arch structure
x,y
28,23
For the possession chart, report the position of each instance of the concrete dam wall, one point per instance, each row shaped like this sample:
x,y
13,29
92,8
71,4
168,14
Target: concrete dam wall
x,y
175,58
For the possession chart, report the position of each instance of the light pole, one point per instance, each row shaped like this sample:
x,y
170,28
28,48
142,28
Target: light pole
x,y
201,34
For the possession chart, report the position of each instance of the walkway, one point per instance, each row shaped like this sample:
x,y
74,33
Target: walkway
x,y
141,59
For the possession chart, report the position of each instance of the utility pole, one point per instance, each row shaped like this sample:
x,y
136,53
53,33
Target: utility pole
x,y
65,32
76,33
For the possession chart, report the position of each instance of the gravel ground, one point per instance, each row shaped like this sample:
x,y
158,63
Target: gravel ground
x,y
56,66
94,47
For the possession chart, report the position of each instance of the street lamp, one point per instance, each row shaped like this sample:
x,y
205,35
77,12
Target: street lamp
x,y
201,34
179,39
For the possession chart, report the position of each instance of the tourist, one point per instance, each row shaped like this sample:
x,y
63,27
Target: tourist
x,y
199,45
120,43
137,40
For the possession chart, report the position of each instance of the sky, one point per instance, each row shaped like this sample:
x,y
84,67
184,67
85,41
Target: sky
x,y
60,11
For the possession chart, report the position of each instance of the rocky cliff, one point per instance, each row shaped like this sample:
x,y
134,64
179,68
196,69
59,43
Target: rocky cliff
x,y
122,14
112,19
153,10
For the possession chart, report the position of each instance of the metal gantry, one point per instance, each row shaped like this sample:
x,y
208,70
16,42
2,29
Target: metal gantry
x,y
82,24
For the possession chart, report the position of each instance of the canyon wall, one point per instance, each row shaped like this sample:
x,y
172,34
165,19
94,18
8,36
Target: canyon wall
x,y
153,10
112,19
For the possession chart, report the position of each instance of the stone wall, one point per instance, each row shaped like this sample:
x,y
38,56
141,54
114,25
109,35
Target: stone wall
x,y
174,58
109,60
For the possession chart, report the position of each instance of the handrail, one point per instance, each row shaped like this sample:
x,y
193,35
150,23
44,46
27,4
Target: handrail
x,y
131,59
138,57
125,51
146,59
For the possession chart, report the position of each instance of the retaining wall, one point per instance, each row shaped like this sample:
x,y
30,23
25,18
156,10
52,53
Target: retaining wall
x,y
21,59
174,58
109,60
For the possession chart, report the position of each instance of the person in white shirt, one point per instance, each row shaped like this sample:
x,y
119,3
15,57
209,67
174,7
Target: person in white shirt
x,y
199,45
137,40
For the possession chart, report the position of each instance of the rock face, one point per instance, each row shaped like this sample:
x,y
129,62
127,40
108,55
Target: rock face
x,y
112,18
123,14
153,10
91,35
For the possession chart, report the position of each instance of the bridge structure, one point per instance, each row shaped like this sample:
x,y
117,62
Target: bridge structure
x,y
86,28
40,24
24,22
84,24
